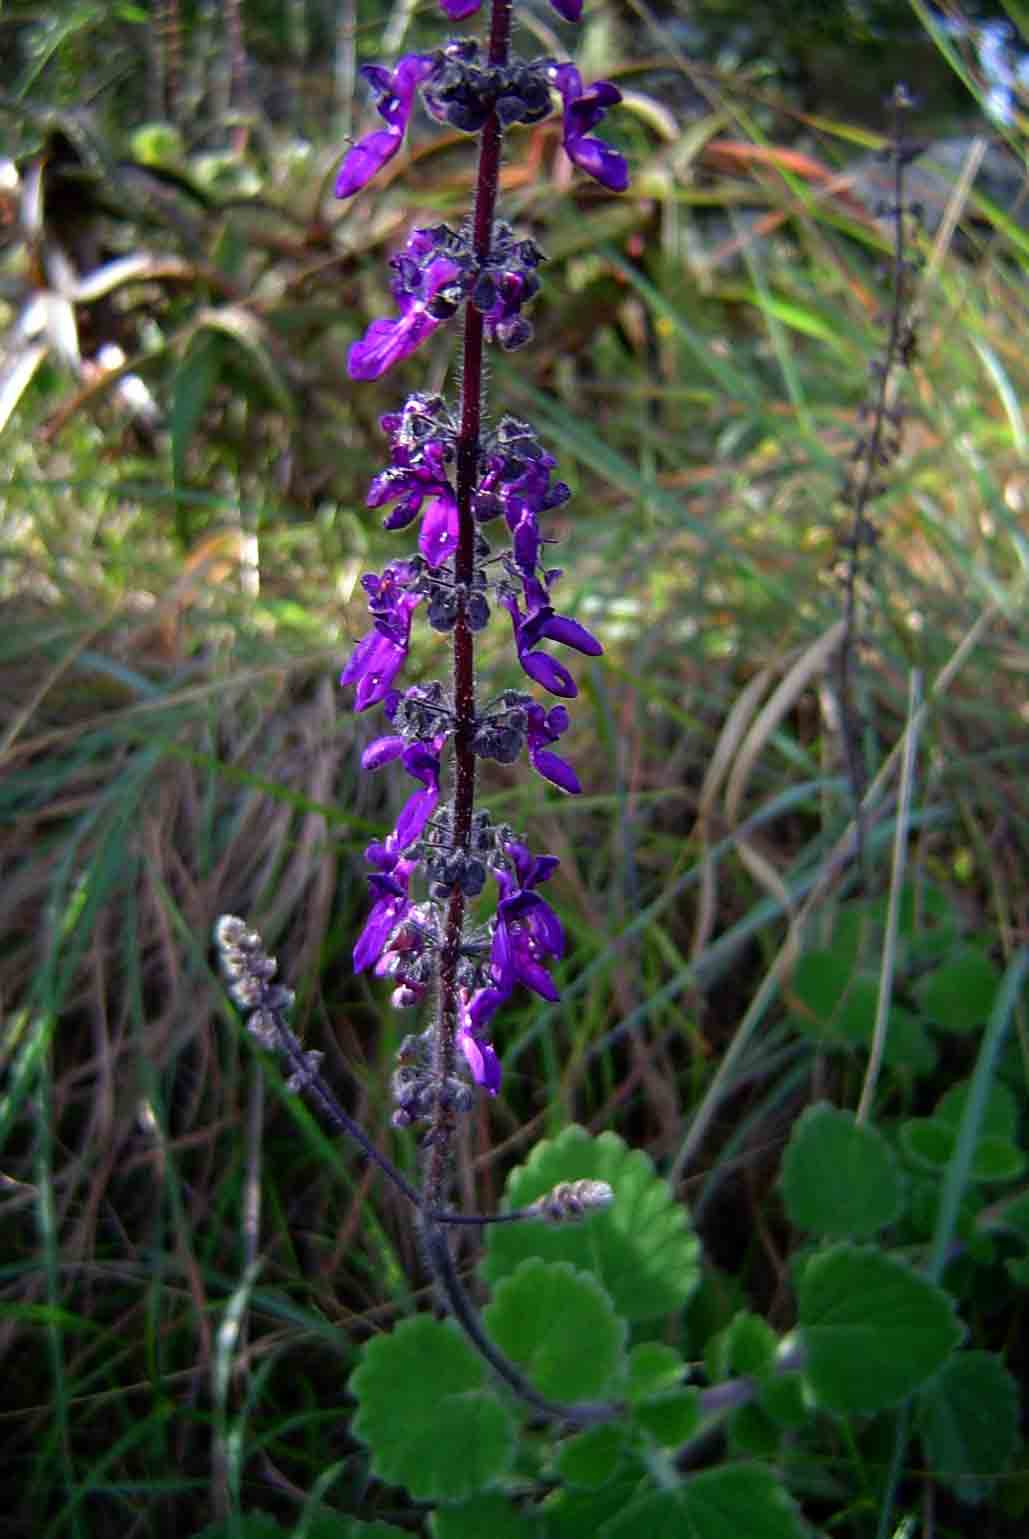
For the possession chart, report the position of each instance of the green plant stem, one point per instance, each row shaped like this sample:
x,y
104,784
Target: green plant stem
x,y
901,830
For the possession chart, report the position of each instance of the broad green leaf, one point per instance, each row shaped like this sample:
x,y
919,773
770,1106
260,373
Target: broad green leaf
x,y
560,1327
747,1346
752,1431
959,995
930,1142
1013,1215
1000,1114
968,1419
654,1367
927,1142
427,1413
641,1248
996,1159
873,1330
739,1501
784,1400
572,1512
487,1515
839,1177
670,1416
590,1459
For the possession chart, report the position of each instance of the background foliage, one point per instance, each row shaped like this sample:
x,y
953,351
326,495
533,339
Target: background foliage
x,y
190,1266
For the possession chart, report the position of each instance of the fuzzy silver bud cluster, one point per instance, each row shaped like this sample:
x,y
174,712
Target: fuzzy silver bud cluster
x,y
248,971
571,1201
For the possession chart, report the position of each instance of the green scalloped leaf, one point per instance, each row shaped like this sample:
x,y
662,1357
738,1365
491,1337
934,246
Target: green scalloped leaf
x,y
486,1513
927,1142
839,1177
968,1421
591,1458
653,1368
784,1400
959,995
999,1116
996,1159
669,1417
833,1003
752,1431
873,1330
748,1346
427,1413
559,1325
739,1501
571,1512
641,1248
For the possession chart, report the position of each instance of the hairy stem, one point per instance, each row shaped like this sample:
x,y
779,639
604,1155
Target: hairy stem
x,y
445,1048
871,461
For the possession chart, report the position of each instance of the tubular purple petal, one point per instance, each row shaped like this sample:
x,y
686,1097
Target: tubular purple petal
x,y
366,159
551,674
555,770
570,10
396,93
582,112
438,537
481,1059
383,751
457,10
571,634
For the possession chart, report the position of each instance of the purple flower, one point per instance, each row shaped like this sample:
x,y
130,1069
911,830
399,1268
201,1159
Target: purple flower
x,y
457,10
527,932
546,727
411,485
529,870
543,623
541,667
396,92
583,111
388,342
376,661
390,908
421,760
479,1054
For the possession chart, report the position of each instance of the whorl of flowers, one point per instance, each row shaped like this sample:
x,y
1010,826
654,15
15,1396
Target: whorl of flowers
x,y
462,479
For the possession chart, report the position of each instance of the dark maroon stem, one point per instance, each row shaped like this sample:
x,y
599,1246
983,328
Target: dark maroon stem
x,y
445,1051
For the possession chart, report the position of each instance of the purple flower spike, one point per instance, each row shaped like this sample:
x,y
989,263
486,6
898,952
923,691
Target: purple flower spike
x,y
396,93
569,10
583,111
457,10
